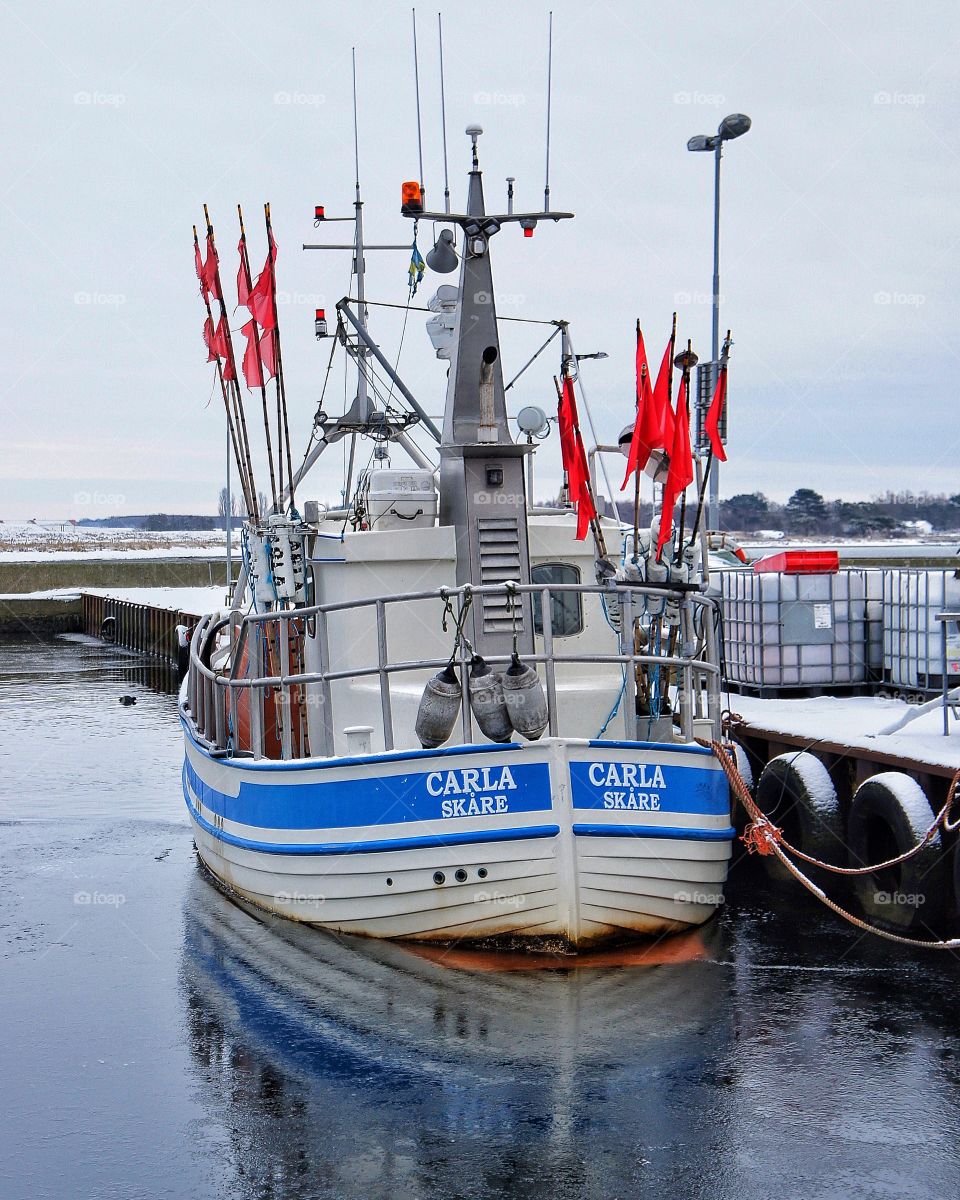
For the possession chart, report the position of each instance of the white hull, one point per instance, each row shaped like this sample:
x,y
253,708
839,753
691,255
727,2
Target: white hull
x,y
558,861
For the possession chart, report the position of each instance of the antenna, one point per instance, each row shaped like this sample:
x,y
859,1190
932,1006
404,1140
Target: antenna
x,y
546,186
356,134
416,76
443,118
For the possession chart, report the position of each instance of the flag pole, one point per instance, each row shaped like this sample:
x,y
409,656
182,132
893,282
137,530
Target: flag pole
x,y
673,346
248,279
639,469
226,402
281,387
722,366
688,360
235,389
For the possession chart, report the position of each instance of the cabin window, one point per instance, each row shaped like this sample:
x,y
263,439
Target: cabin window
x,y
566,608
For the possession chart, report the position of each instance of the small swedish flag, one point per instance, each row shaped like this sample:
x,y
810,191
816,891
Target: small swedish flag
x,y
417,265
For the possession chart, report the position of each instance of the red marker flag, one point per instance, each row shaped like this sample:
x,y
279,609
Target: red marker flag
x,y
680,475
261,297
252,370
714,412
648,428
243,292
268,354
208,336
218,346
574,460
207,271
198,264
661,399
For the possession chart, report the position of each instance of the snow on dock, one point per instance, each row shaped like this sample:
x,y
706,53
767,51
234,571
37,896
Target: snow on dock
x,y
852,723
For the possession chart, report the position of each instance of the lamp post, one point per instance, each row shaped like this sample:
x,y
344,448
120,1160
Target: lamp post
x,y
733,126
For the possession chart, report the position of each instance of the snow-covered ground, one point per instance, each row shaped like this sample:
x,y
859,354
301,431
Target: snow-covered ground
x,y
854,721
26,542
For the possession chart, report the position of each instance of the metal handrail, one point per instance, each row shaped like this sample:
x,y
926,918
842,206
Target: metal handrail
x,y
207,689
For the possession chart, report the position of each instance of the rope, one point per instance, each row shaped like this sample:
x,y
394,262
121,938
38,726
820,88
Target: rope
x,y
459,621
765,838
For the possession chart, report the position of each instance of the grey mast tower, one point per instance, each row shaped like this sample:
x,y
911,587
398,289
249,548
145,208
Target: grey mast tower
x,y
482,477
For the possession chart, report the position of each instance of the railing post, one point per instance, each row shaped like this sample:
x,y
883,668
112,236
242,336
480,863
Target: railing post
x,y
713,677
382,660
546,620
219,714
630,669
286,708
326,692
254,694
685,680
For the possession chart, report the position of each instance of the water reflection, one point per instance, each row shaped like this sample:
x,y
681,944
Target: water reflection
x,y
351,1067
71,749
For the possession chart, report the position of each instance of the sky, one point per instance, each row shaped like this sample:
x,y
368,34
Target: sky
x,y
839,247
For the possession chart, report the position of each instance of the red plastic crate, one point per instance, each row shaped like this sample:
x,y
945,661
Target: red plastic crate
x,y
800,562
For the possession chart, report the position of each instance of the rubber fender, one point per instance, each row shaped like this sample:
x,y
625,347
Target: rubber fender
x,y
890,814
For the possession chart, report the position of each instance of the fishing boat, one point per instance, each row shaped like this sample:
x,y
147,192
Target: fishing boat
x,y
439,711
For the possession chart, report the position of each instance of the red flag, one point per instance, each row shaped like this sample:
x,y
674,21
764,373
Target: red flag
x,y
586,511
575,460
661,399
208,336
207,271
243,292
220,344
647,428
566,423
680,474
714,412
252,370
268,355
261,296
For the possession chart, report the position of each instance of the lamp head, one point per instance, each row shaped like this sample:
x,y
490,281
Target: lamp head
x,y
733,126
702,142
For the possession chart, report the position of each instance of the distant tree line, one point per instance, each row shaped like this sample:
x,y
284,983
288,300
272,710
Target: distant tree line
x,y
894,514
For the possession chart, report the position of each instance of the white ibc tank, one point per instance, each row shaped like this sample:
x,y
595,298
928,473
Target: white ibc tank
x,y
912,648
399,499
794,631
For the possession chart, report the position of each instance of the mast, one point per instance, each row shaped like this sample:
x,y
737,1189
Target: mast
x,y
359,266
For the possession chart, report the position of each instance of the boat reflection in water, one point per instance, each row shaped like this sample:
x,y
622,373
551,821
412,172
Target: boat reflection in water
x,y
343,1066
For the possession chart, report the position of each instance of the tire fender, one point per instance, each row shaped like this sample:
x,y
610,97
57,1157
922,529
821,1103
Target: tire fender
x,y
890,814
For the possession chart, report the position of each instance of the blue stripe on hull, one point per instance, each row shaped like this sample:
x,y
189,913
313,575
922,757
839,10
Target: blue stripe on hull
x,y
409,797
684,833
374,845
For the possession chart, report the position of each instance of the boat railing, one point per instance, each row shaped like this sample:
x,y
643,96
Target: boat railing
x,y
254,637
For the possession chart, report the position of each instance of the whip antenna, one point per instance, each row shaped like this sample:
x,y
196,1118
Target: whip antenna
x,y
546,186
443,119
356,134
416,77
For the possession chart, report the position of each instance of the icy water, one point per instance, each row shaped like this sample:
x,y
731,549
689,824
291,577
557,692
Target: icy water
x,y
159,1041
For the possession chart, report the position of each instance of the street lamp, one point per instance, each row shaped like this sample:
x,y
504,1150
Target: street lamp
x,y
733,126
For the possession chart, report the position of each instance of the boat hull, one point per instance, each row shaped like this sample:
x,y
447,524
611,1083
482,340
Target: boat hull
x,y
566,840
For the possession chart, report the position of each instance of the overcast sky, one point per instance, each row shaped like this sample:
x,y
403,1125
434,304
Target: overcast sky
x,y
839,243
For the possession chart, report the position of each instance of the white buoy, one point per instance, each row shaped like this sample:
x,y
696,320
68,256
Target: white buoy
x,y
525,699
487,702
439,706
